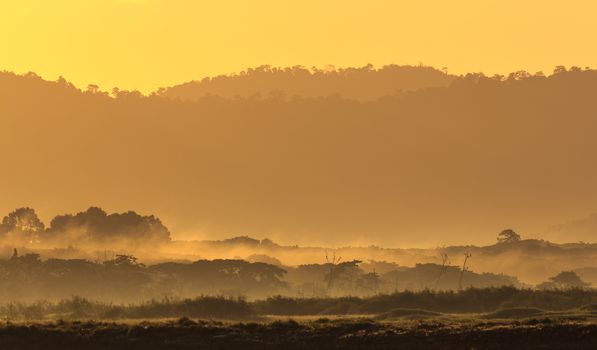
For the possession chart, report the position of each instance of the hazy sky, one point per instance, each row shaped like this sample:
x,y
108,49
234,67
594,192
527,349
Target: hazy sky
x,y
145,44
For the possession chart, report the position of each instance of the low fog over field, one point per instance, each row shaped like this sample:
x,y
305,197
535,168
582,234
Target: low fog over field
x,y
131,257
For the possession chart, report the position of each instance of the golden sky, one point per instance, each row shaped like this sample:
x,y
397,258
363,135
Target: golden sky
x,y
145,44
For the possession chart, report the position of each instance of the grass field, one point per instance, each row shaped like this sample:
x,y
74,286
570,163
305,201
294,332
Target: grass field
x,y
471,319
328,333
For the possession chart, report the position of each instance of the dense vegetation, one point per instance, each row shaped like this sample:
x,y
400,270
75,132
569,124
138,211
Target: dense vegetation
x,y
123,278
517,302
91,227
85,254
468,301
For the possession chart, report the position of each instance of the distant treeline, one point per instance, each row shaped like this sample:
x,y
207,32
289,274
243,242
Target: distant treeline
x,y
91,227
427,303
363,83
122,278
88,270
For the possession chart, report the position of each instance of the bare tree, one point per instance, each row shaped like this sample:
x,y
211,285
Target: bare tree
x,y
369,282
333,263
464,268
443,269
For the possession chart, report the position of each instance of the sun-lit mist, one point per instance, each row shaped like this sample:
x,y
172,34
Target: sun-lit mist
x,y
285,174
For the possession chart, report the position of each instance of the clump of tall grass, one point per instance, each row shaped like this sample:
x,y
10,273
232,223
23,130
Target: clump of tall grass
x,y
472,300
81,308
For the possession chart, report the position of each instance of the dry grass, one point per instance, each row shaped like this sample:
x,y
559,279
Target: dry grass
x,y
328,333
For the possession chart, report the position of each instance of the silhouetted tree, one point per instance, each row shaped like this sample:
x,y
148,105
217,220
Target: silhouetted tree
x,y
96,226
122,260
559,70
92,89
508,236
369,282
23,224
22,219
445,263
342,275
464,269
564,280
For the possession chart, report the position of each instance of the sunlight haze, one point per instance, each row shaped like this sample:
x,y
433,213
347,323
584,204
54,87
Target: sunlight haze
x,y
314,174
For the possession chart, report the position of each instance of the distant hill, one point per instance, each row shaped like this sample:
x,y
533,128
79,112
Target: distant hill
x,y
363,84
585,227
438,165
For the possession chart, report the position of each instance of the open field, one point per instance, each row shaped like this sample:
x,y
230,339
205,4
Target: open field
x,y
532,333
517,319
504,302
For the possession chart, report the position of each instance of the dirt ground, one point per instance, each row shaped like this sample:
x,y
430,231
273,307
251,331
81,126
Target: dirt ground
x,y
316,334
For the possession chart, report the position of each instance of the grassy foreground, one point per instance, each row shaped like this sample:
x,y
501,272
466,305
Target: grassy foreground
x,y
504,302
316,334
494,318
